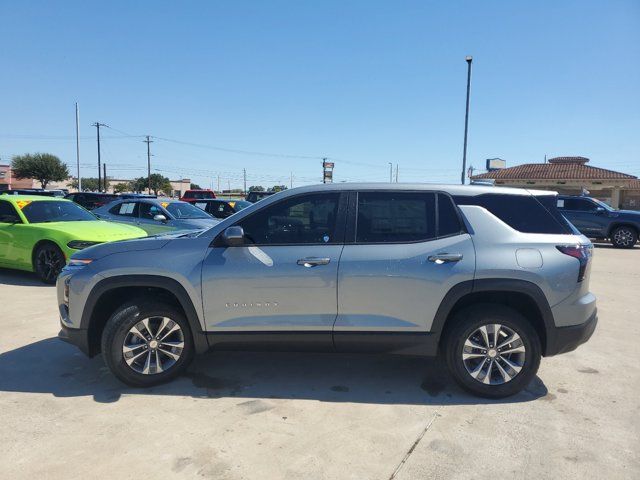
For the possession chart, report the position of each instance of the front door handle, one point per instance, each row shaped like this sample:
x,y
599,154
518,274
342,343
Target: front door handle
x,y
441,258
313,261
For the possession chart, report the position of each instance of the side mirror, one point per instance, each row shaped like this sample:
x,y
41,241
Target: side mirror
x,y
233,236
160,218
600,210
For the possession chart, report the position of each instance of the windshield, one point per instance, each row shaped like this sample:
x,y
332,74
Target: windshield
x,y
51,211
239,204
604,205
183,210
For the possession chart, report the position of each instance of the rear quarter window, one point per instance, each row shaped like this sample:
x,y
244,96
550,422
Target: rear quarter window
x,y
525,213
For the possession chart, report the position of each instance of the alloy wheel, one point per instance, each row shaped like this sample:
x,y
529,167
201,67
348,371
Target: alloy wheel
x,y
49,263
493,354
623,236
153,345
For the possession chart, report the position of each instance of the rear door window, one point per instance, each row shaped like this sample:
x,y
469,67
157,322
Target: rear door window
x,y
395,217
448,219
125,209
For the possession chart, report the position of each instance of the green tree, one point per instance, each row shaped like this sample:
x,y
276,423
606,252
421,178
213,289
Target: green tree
x,y
256,188
195,186
158,184
44,167
122,187
278,188
88,184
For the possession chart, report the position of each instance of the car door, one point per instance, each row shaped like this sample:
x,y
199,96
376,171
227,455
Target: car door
x,y
122,212
282,283
146,214
9,219
403,252
584,215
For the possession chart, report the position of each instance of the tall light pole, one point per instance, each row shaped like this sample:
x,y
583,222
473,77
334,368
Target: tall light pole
x,y
78,146
98,125
148,141
469,60
390,172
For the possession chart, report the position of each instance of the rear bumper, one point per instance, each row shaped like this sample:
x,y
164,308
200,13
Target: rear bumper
x,y
75,336
567,339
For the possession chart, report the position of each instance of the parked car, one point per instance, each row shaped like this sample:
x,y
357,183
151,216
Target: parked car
x,y
596,219
492,277
29,191
254,196
157,215
39,234
221,208
195,195
91,200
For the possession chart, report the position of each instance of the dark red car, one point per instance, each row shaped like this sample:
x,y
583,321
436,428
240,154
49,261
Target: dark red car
x,y
192,196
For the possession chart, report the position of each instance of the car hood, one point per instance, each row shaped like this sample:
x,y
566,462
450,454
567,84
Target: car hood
x,y
630,214
153,242
95,230
197,223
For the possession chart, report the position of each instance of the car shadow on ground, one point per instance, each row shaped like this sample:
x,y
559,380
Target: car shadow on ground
x,y
608,245
20,278
53,367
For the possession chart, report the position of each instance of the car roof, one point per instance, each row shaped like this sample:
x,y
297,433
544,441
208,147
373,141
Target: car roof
x,y
462,190
33,198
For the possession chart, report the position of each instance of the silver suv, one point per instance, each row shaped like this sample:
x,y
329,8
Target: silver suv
x,y
493,278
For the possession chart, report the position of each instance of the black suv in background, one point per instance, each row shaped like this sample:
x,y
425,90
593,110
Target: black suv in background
x,y
91,200
596,219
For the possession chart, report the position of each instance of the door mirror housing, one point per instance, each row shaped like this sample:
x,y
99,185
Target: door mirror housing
x,y
600,210
160,218
233,236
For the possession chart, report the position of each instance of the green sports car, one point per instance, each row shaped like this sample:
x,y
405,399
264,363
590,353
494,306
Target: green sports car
x,y
39,234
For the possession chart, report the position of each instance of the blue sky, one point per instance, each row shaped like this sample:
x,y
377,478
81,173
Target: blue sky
x,y
362,82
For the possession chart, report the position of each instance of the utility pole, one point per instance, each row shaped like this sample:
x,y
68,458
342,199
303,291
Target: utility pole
x,y
104,176
148,141
324,177
218,184
469,60
244,173
291,181
390,172
229,185
78,146
397,172
98,125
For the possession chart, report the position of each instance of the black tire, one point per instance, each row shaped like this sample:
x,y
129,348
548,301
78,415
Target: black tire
x,y
118,329
48,260
465,323
624,237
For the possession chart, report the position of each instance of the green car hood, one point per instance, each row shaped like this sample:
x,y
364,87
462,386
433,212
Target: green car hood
x,y
95,230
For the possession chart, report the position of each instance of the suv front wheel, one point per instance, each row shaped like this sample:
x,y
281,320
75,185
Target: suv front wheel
x,y
624,237
492,350
147,343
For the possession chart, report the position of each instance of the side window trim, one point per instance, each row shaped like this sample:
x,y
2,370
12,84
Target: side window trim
x,y
15,212
351,229
339,222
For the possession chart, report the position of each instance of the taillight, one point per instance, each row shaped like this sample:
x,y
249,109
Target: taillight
x,y
581,252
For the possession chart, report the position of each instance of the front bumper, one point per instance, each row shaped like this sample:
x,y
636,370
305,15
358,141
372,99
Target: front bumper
x,y
566,339
75,336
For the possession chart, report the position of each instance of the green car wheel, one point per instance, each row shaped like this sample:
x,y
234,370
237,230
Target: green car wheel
x,y
49,260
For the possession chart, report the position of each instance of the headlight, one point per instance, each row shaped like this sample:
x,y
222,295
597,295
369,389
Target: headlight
x,y
80,244
79,262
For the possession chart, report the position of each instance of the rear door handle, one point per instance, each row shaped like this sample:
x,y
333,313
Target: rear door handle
x,y
313,261
441,258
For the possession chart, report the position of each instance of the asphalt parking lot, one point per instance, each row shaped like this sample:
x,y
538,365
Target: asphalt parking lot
x,y
265,415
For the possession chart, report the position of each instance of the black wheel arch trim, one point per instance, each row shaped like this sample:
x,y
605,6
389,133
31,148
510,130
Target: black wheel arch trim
x,y
151,281
622,223
508,285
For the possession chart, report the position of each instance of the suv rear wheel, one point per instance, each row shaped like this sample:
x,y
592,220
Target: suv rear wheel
x,y
147,343
624,237
492,351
